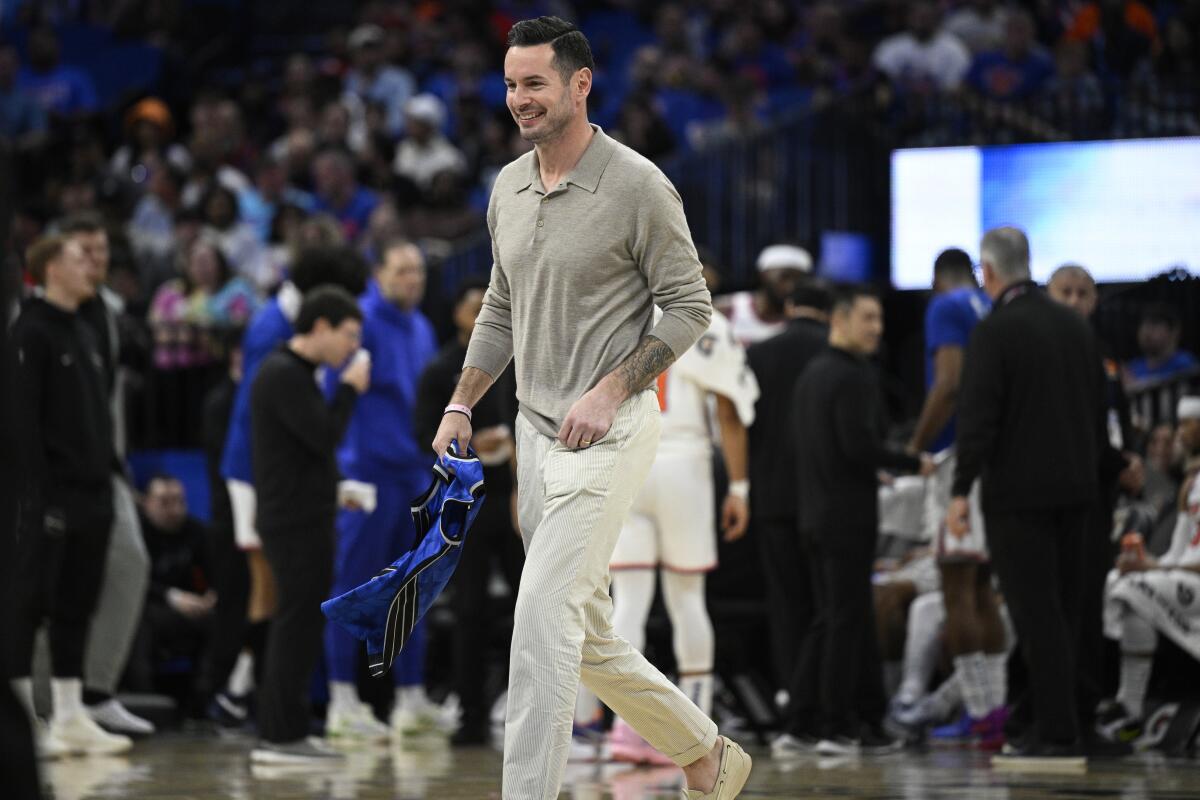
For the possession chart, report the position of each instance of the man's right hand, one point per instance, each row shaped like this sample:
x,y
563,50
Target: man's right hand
x,y
454,427
358,374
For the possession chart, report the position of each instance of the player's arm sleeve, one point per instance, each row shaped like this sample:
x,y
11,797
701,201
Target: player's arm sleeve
x,y
491,346
662,247
981,404
29,355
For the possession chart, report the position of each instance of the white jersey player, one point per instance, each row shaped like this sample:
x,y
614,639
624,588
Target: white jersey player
x,y
1146,598
671,529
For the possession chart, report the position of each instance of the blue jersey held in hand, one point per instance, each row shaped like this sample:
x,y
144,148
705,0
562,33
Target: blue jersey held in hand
x,y
385,609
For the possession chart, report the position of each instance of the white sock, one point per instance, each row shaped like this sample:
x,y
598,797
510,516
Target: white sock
x,y
411,697
342,695
699,689
946,697
971,670
23,689
587,707
1135,680
922,646
997,672
241,678
68,697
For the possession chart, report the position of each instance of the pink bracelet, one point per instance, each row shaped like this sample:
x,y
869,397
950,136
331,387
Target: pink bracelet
x,y
458,409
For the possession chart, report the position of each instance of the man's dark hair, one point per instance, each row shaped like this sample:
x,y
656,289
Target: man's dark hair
x,y
472,283
1164,314
571,49
331,303
333,264
845,295
83,222
812,292
954,265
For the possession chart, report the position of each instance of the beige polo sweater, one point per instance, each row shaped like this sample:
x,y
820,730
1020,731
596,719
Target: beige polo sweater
x,y
576,274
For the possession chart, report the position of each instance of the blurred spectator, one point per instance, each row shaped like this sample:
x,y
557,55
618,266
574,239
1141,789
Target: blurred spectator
x,y
446,213
149,134
151,229
425,151
1074,92
60,90
179,604
187,311
1158,339
1120,32
1165,90
22,120
259,204
1018,70
339,194
247,255
923,59
373,79
980,24
642,127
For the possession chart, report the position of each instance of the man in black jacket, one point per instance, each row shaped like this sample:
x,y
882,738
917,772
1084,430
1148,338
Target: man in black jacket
x,y
492,534
837,425
777,363
65,451
1031,426
295,434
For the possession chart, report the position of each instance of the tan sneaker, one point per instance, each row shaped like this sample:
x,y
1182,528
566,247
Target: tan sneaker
x,y
731,775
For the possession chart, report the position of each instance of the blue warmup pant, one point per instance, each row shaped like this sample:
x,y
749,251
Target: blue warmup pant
x,y
366,543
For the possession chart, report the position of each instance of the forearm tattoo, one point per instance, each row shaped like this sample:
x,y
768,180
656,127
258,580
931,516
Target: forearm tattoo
x,y
644,364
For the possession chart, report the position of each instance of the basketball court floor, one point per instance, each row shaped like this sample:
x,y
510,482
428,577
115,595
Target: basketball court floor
x,y
187,766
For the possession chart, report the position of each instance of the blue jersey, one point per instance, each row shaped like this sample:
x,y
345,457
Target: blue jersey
x,y
269,328
385,610
949,321
381,438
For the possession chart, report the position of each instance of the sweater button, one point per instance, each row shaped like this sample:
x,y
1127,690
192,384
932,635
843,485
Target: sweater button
x,y
540,223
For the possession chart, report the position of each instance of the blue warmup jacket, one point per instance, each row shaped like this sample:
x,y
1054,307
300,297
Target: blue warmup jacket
x,y
266,332
381,438
384,610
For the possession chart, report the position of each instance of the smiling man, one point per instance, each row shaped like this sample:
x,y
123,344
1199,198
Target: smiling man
x,y
587,237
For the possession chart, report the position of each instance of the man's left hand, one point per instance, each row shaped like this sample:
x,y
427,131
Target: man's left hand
x,y
735,516
589,419
958,517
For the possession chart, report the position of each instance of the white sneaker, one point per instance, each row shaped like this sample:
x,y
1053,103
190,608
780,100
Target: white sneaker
x,y
81,735
48,745
307,751
116,718
355,722
787,746
838,746
423,719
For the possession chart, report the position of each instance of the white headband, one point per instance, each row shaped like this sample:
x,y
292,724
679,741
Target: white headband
x,y
1189,408
784,256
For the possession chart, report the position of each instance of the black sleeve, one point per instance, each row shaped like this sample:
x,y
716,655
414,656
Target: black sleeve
x,y
855,411
433,392
29,356
305,415
981,401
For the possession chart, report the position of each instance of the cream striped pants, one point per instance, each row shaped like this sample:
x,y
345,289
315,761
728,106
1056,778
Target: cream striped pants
x,y
572,504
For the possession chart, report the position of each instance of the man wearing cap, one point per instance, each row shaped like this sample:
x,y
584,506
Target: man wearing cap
x,y
759,314
425,151
1147,598
374,80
